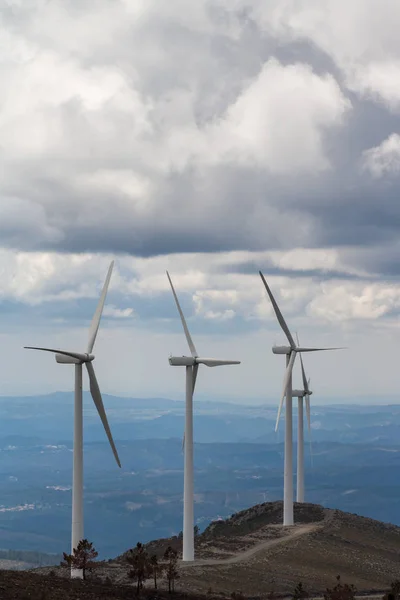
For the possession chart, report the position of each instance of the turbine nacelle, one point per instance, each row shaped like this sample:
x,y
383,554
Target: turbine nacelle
x,y
78,359
287,349
181,361
281,349
300,393
190,361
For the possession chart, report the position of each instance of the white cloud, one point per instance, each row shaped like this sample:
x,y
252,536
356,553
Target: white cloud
x,y
379,81
213,286
385,158
262,127
361,40
118,313
354,301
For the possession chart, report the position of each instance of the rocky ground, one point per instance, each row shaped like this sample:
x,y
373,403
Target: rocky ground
x,y
34,586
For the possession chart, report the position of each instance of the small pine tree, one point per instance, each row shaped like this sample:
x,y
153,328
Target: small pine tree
x,y
171,570
82,557
140,566
341,591
299,592
156,569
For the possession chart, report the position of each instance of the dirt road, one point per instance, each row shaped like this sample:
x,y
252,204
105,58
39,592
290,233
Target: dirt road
x,y
293,532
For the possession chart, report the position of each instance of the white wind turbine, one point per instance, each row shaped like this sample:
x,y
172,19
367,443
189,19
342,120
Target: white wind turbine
x,y
305,394
192,366
290,352
78,359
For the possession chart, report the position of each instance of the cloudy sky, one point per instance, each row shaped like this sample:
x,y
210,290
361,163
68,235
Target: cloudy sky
x,y
235,136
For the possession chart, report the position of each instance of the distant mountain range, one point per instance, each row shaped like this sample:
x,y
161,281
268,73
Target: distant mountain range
x,y
355,466
50,418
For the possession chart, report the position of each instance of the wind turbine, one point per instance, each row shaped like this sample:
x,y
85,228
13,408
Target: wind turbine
x,y
191,363
305,394
78,359
290,352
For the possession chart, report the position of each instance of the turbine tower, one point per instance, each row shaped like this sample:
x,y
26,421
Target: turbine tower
x,y
300,395
191,363
290,352
78,359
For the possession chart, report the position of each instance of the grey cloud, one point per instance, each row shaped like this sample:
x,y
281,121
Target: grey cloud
x,y
195,207
252,268
24,224
382,260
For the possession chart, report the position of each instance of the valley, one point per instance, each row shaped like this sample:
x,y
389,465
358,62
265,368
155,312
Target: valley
x,y
355,469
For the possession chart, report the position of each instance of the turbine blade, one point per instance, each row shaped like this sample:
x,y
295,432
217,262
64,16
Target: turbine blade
x,y
288,373
305,384
94,326
77,355
194,374
215,362
318,349
98,401
194,377
308,411
185,327
303,373
278,313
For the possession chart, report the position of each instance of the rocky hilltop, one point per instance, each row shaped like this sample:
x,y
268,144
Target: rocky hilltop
x,y
250,553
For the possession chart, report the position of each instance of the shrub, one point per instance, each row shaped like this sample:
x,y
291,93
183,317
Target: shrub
x,y
341,591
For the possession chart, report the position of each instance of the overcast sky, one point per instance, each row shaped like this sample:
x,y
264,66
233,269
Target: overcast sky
x,y
214,141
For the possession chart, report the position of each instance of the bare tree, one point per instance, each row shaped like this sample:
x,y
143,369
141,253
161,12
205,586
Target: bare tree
x,y
171,570
82,557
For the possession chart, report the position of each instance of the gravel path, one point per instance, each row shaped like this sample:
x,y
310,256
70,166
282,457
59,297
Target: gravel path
x,y
293,532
